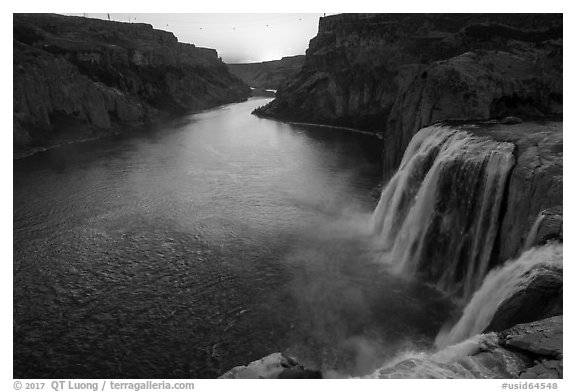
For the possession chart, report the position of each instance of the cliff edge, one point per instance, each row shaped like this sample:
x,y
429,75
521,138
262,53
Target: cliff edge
x,y
396,73
78,78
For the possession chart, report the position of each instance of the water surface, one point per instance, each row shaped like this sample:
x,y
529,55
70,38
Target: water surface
x,y
202,245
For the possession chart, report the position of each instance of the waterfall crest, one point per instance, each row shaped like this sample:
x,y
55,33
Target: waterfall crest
x,y
500,284
438,217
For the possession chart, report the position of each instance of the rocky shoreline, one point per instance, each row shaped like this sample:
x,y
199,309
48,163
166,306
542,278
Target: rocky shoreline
x,y
525,351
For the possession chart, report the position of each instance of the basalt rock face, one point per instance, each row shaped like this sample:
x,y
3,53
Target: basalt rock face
x,y
395,73
268,74
79,77
541,341
535,186
475,85
540,298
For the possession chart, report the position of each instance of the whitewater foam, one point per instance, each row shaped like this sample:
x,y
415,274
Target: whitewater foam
x,y
438,217
500,284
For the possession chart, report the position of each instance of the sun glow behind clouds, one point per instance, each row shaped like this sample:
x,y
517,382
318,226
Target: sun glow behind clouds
x,y
238,38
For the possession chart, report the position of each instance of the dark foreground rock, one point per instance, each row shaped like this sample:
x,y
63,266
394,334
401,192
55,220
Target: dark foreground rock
x,y
78,78
275,365
542,341
531,350
541,297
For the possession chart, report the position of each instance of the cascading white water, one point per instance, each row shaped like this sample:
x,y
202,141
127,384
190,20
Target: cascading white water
x,y
531,238
500,284
438,216
400,193
456,361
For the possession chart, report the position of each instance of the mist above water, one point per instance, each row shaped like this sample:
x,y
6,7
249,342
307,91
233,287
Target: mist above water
x,y
500,284
207,244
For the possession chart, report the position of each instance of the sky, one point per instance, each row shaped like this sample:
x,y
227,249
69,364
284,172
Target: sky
x,y
238,38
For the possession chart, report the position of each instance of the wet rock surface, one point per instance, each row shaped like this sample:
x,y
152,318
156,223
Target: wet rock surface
x,y
534,185
78,78
531,350
541,298
543,338
275,365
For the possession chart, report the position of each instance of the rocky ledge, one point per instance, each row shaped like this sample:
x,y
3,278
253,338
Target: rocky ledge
x,y
531,350
528,351
77,78
535,184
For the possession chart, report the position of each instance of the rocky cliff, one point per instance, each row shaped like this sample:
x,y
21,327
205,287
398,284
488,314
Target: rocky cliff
x,y
77,77
395,73
268,74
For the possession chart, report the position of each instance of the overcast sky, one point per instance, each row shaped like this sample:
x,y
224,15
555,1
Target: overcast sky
x,y
238,38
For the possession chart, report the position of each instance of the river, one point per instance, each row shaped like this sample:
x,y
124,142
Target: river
x,y
188,249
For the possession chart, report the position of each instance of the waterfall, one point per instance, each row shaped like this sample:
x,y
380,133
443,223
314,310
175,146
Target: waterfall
x,y
456,361
438,217
501,283
531,238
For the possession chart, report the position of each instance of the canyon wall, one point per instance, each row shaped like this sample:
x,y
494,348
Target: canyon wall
x,y
268,74
396,73
79,77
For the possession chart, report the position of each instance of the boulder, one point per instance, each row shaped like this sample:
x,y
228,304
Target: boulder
x,y
540,298
542,338
532,350
276,365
